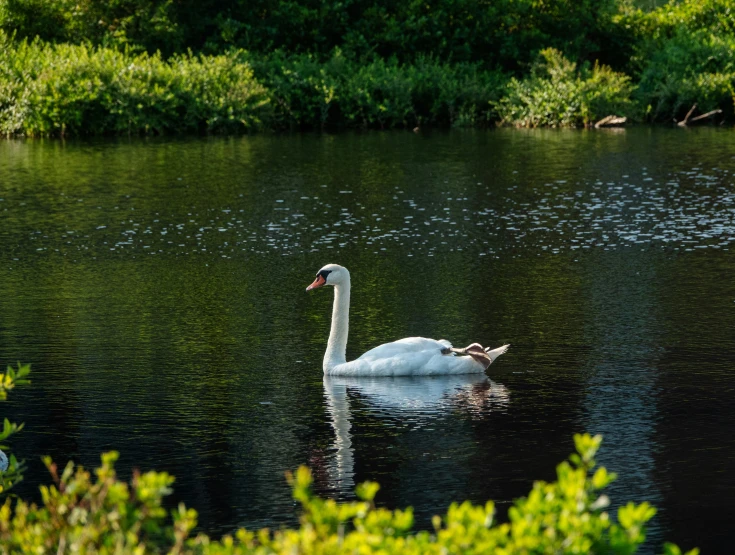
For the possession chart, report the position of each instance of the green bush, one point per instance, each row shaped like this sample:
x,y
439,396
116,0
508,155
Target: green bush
x,y
675,16
689,69
359,63
104,515
507,32
55,89
141,24
379,92
64,89
395,95
307,93
31,18
302,89
395,66
558,94
14,472
683,56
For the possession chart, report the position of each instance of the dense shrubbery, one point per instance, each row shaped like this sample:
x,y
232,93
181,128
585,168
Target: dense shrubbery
x,y
379,93
689,68
103,515
96,67
508,32
684,56
56,89
147,24
558,94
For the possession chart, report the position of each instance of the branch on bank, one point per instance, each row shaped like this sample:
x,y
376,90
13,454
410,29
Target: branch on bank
x,y
610,121
687,120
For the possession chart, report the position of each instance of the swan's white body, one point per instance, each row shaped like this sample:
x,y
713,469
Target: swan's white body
x,y
405,357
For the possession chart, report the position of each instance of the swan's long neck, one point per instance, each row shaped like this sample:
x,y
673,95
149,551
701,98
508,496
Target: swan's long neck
x,y
337,345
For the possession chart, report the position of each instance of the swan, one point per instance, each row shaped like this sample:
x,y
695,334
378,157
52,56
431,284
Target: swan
x,y
405,357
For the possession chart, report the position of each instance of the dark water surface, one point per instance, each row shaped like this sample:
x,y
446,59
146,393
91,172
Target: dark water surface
x,y
157,287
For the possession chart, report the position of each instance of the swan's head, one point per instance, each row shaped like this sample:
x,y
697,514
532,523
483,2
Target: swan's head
x,y
331,274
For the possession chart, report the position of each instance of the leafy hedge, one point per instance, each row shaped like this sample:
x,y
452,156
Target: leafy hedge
x,y
82,514
54,89
379,93
442,63
58,89
510,32
682,56
557,94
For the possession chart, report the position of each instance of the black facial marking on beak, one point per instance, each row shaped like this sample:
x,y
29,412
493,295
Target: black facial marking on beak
x,y
320,281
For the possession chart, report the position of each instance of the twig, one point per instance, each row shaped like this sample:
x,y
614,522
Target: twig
x,y
683,122
708,114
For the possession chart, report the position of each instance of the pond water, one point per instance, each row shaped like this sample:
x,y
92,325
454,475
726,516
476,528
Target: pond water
x,y
157,287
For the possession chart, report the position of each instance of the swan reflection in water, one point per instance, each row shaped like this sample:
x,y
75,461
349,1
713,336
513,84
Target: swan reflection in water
x,y
421,400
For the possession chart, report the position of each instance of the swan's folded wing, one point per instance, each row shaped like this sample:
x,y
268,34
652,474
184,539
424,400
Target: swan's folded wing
x,y
404,347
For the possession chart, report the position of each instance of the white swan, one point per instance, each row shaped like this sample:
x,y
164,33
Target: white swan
x,y
405,357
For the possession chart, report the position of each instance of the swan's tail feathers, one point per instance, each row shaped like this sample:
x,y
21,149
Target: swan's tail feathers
x,y
484,356
495,353
477,352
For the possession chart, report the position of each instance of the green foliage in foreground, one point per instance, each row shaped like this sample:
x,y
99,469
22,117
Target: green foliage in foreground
x,y
11,378
558,94
103,515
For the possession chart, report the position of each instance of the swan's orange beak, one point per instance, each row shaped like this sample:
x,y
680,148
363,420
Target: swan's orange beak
x,y
318,282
